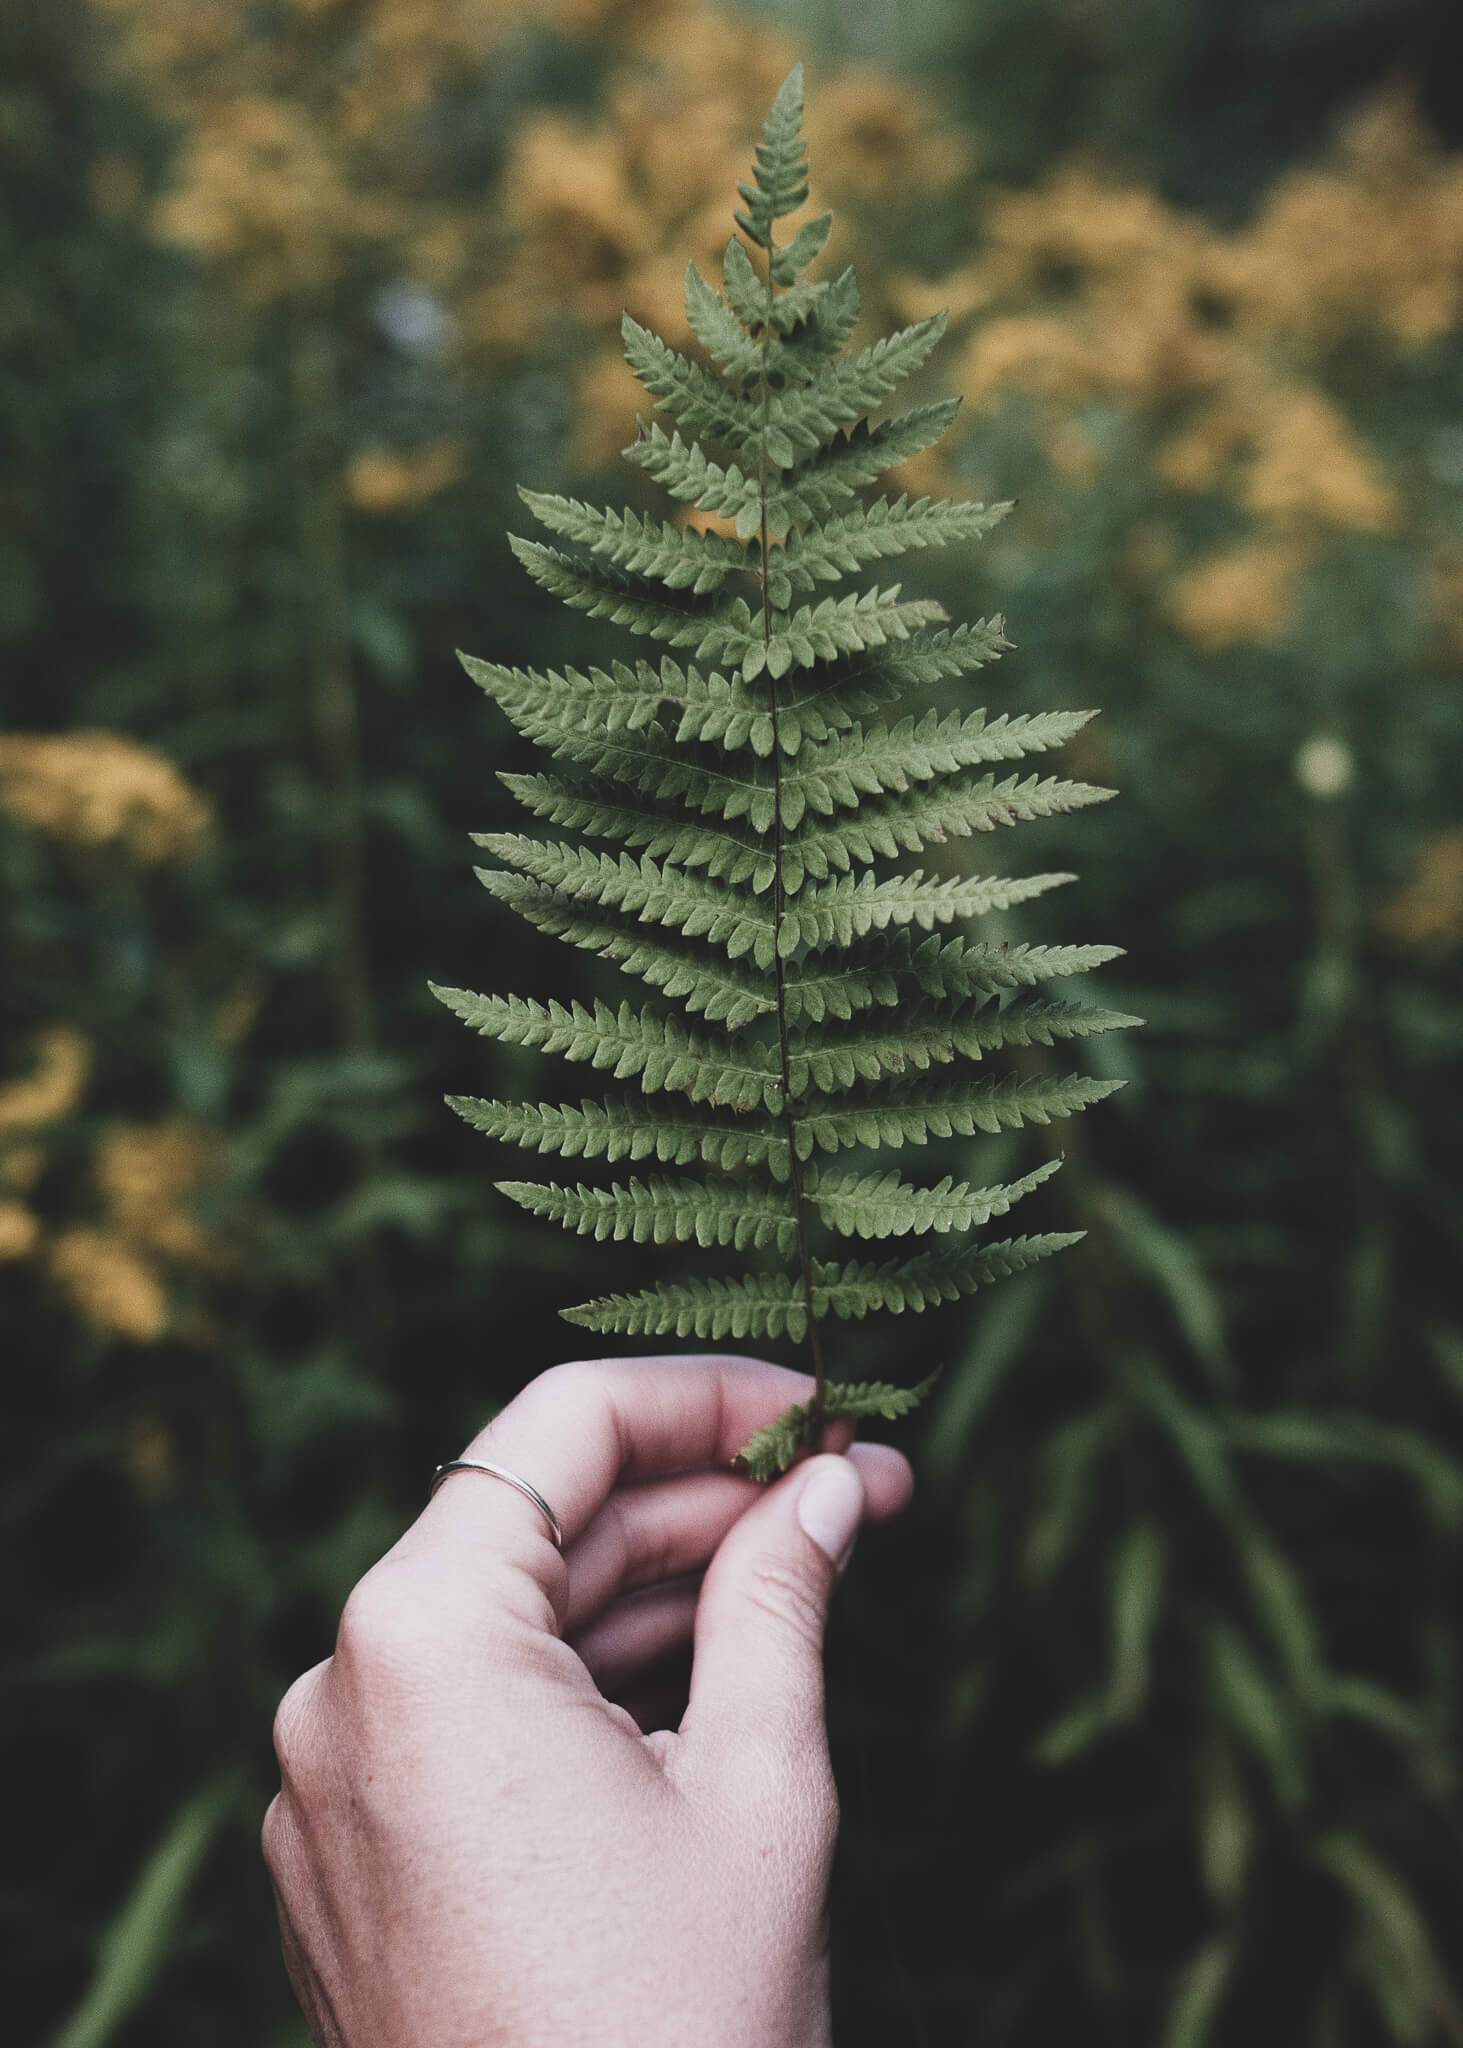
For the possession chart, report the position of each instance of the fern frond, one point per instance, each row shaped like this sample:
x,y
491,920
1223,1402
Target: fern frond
x,y
970,967
938,657
1047,1023
883,1205
738,856
861,456
679,557
873,533
687,391
936,1035
801,492
618,699
780,178
666,1212
805,247
811,1001
646,760
654,892
771,1304
759,1305
745,357
774,1448
837,912
910,822
606,594
845,390
623,1128
930,1277
705,985
657,1050
881,760
910,1114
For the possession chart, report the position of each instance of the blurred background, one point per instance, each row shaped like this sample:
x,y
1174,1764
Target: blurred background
x,y
1148,1717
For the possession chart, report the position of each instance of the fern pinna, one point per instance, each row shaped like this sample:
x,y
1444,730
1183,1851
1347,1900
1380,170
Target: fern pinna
x,y
810,1003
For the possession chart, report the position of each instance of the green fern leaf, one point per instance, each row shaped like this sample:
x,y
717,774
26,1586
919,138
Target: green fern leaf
x,y
909,822
759,1305
912,1114
679,557
623,1128
666,1212
656,1050
774,1448
737,856
925,1036
806,246
753,801
691,394
707,987
930,1277
780,179
873,533
883,1205
861,456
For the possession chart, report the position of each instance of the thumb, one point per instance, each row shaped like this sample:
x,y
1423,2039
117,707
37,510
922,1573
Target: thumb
x,y
757,1675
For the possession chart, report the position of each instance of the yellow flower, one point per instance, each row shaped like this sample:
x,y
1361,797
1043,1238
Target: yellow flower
x,y
1308,463
1369,244
99,789
1095,227
870,136
108,1285
1427,910
1197,458
260,187
1244,593
1035,352
145,1174
19,1231
396,480
56,1086
568,186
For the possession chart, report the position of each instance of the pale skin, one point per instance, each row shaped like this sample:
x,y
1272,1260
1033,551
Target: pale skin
x,y
496,1829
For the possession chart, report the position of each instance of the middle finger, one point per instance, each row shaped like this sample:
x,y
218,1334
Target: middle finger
x,y
658,1529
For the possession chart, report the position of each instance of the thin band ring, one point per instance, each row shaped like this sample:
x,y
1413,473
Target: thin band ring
x,y
500,1472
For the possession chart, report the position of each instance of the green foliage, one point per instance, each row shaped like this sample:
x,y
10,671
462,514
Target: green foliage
x,y
770,930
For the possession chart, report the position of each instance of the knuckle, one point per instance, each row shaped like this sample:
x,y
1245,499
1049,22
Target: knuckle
x,y
567,1377
295,1721
273,1836
388,1621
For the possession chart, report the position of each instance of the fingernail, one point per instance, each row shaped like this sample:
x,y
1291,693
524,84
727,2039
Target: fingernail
x,y
831,1506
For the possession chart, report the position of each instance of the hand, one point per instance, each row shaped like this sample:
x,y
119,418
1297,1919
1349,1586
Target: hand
x,y
476,1842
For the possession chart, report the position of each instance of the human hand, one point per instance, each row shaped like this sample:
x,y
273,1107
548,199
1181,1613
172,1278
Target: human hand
x,y
476,1846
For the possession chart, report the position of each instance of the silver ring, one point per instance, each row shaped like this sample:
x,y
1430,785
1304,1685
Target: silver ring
x,y
499,1472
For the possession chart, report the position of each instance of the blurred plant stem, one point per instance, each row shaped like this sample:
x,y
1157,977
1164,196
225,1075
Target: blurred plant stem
x,y
1337,1015
325,632
138,1939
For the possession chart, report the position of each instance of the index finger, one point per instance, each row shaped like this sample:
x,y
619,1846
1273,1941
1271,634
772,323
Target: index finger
x,y
580,1430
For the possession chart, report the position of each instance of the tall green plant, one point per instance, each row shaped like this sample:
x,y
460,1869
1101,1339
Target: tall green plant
x,y
757,799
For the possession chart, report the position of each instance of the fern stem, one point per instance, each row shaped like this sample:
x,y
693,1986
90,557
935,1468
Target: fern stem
x,y
789,1120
